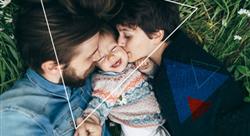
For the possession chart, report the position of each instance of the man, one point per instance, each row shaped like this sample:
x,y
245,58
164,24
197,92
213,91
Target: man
x,y
196,94
37,104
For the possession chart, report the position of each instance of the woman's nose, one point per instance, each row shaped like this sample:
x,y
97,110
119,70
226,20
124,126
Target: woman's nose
x,y
122,41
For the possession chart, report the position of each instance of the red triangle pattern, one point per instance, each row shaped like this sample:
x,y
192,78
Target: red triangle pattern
x,y
197,107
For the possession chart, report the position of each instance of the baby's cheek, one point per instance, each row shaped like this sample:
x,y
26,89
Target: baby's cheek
x,y
123,54
105,67
101,66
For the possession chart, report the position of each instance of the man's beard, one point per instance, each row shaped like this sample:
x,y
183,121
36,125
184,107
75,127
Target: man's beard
x,y
71,79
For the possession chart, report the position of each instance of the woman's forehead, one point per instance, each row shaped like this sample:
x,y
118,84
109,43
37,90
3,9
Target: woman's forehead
x,y
122,27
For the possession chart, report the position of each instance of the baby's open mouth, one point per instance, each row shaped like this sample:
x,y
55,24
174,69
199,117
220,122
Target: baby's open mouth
x,y
117,63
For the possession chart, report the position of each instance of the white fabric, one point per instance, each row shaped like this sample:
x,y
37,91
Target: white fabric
x,y
147,131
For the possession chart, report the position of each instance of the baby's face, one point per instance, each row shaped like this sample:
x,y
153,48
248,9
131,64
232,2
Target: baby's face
x,y
113,57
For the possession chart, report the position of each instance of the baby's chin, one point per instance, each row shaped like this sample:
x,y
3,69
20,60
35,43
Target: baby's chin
x,y
119,69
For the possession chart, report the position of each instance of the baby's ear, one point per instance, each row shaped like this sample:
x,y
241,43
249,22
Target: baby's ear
x,y
157,37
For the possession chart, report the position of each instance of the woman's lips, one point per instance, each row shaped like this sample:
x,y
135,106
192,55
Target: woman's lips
x,y
117,64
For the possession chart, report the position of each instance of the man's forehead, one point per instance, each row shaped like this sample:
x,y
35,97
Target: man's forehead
x,y
89,45
91,39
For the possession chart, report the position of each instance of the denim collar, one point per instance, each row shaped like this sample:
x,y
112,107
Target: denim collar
x,y
55,89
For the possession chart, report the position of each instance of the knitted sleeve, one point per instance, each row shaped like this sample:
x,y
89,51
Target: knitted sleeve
x,y
108,89
106,92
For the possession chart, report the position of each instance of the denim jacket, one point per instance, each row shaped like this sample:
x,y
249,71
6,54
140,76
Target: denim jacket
x,y
36,107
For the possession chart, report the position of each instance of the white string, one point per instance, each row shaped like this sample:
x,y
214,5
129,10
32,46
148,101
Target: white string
x,y
119,85
51,38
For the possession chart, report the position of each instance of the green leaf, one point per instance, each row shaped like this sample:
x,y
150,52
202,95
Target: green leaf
x,y
236,74
247,99
243,70
8,39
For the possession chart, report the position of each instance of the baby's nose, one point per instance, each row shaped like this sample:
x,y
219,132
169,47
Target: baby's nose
x,y
111,57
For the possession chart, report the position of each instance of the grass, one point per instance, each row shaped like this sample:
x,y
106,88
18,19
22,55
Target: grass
x,y
10,63
214,26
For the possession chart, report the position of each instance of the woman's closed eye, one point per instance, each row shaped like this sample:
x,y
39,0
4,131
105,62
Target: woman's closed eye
x,y
127,36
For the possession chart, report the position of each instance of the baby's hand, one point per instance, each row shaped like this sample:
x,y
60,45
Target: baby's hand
x,y
92,118
147,67
89,128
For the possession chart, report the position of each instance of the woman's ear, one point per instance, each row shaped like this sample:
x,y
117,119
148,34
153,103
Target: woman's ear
x,y
157,37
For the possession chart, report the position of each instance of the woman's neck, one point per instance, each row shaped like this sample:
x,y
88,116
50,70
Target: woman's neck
x,y
157,56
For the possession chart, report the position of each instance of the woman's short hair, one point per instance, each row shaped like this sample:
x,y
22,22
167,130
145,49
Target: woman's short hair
x,y
149,15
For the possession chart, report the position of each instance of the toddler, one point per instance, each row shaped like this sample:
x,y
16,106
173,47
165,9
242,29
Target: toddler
x,y
132,105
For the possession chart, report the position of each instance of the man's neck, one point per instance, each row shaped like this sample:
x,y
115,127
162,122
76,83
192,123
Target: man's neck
x,y
51,78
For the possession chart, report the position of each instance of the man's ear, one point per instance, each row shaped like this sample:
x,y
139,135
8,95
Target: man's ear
x,y
157,37
50,67
51,71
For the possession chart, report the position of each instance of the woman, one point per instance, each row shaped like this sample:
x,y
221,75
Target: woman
x,y
196,94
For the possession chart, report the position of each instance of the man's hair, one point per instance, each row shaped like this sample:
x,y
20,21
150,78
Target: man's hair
x,y
104,9
149,15
68,32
